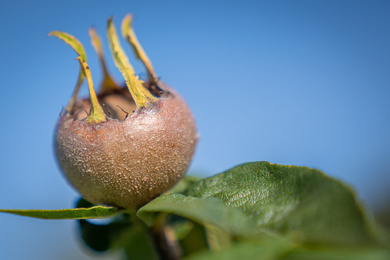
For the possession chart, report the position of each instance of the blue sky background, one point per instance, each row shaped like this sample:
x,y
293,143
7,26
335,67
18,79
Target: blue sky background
x,y
291,82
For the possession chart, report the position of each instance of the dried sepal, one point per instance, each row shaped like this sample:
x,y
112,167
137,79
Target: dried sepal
x,y
108,82
96,115
140,94
129,34
79,49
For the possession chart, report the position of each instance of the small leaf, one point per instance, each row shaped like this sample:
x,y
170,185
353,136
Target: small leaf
x,y
360,253
195,240
269,248
139,244
79,213
104,237
124,231
278,249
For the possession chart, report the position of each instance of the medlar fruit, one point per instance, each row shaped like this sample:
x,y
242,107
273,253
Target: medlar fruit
x,y
134,146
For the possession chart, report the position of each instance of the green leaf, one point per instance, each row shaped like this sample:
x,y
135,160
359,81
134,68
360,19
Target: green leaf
x,y
194,240
270,248
298,201
217,238
120,233
361,253
203,211
102,237
79,213
301,204
139,244
283,250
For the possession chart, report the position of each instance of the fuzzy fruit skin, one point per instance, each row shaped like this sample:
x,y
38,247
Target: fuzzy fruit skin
x,y
127,163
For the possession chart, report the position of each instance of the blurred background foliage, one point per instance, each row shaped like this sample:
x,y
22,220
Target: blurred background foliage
x,y
304,83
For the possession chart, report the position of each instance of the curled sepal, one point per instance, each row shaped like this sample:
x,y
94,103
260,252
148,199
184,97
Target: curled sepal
x,y
96,115
72,41
129,34
108,82
140,94
79,49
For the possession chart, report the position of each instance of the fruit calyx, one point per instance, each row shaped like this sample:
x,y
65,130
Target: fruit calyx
x,y
141,94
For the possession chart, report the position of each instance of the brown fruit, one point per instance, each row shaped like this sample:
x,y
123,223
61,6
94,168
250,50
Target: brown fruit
x,y
138,147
